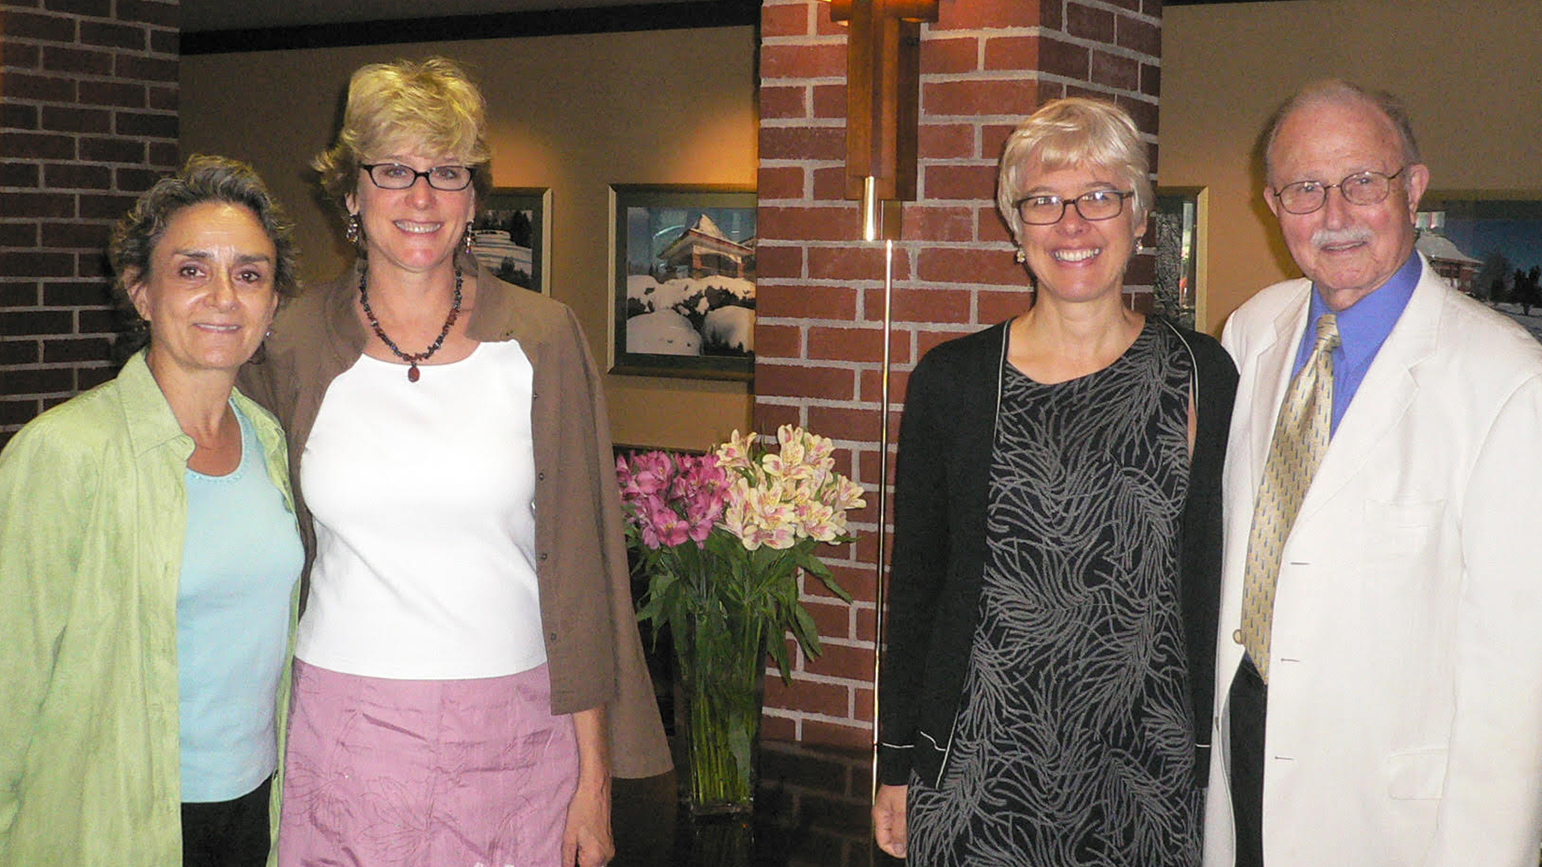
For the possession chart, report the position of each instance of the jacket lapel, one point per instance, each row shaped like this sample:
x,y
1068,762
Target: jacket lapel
x,y
1384,395
1273,360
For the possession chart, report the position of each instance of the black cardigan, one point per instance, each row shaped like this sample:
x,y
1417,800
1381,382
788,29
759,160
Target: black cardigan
x,y
942,482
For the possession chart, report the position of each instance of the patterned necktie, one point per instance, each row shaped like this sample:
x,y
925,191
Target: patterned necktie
x,y
1300,440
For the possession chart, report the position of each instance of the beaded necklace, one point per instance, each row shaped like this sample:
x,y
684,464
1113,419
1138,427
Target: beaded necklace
x,y
412,359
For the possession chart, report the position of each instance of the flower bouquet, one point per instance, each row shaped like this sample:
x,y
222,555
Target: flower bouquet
x,y
721,538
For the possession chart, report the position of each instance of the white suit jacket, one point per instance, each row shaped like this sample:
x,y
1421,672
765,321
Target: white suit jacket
x,y
1405,687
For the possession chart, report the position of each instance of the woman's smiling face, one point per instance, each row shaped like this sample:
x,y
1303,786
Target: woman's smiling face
x,y
1076,259
209,295
416,229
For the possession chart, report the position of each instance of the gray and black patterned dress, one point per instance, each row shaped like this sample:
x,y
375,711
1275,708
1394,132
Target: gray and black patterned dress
x,y
1074,741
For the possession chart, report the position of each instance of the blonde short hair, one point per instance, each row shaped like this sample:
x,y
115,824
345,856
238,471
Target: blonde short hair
x,y
1070,132
429,105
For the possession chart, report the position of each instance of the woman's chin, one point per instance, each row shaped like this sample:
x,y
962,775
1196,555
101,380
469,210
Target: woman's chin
x,y
1080,292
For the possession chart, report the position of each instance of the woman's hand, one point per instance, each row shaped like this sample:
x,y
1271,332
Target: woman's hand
x,y
889,819
587,841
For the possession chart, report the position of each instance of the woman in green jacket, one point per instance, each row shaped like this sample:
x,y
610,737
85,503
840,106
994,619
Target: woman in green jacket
x,y
149,557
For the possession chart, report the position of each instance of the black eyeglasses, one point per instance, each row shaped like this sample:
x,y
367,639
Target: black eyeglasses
x,y
1096,205
395,176
1360,188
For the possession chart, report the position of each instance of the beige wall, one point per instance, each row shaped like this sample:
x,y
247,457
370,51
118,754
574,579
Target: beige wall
x,y
573,113
1468,71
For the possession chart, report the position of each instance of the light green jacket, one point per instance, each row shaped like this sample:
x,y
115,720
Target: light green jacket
x,y
92,513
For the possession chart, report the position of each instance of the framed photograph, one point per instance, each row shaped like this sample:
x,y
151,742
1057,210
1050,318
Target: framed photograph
x,y
1175,222
1489,248
509,236
683,278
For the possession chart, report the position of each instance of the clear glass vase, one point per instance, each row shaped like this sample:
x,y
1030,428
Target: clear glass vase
x,y
722,667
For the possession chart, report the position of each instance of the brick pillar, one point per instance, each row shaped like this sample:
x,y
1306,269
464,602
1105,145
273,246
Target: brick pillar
x,y
985,64
88,120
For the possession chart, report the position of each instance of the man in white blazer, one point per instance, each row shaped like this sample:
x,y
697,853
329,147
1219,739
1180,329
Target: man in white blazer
x,y
1401,720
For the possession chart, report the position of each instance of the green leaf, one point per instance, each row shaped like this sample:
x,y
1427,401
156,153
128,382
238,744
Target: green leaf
x,y
777,645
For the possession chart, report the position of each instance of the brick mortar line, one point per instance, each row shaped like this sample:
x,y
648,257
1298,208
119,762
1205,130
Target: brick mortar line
x,y
1006,76
97,76
832,364
88,106
849,643
929,284
803,81
865,445
964,162
826,679
64,191
811,716
819,204
93,46
805,39
56,365
787,162
803,123
931,31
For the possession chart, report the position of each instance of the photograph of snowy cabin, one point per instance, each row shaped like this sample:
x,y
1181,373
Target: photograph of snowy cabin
x,y
686,283
1490,249
508,236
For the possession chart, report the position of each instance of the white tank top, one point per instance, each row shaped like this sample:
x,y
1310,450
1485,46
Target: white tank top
x,y
423,495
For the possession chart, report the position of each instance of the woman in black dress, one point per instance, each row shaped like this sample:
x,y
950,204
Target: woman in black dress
x,y
1045,694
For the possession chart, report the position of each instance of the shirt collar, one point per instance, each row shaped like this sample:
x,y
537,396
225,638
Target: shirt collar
x,y
1364,326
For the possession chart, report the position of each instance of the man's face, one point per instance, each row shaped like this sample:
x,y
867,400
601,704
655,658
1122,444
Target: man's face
x,y
1348,250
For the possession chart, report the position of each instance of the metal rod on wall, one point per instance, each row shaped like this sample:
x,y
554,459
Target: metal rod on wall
x,y
883,492
883,75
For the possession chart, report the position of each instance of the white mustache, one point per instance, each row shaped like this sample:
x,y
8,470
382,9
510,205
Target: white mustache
x,y
1354,235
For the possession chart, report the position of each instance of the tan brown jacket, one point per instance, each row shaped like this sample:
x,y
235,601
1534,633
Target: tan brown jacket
x,y
593,651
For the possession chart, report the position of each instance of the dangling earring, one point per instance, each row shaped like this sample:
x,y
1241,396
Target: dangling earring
x,y
261,354
466,239
1020,257
355,230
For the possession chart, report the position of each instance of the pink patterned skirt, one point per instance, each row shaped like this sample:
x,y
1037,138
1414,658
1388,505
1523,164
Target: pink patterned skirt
x,y
425,772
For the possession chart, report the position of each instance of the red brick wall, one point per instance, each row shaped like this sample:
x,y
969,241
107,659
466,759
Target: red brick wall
x,y
985,64
88,120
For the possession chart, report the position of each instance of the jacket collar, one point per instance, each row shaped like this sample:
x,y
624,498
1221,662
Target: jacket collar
x,y
151,423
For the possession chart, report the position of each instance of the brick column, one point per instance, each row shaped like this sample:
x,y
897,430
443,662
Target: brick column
x,y
88,120
985,65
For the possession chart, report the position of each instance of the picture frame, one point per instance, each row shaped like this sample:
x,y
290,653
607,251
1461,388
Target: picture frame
x,y
511,239
683,280
1489,247
1176,229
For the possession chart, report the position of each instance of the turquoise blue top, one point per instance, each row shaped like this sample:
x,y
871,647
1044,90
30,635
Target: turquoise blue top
x,y
241,557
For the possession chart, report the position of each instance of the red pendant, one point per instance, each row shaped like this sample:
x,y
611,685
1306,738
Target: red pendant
x,y
412,373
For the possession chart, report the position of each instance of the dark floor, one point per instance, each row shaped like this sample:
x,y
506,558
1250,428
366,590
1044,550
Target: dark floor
x,y
811,810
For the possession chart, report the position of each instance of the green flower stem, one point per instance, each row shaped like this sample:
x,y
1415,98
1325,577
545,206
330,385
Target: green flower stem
x,y
722,677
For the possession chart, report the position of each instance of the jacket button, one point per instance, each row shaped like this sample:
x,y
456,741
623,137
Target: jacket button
x,y
1236,635
551,636
540,477
544,555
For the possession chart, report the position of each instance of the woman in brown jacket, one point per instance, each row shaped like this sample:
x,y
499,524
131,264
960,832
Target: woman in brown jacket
x,y
468,671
